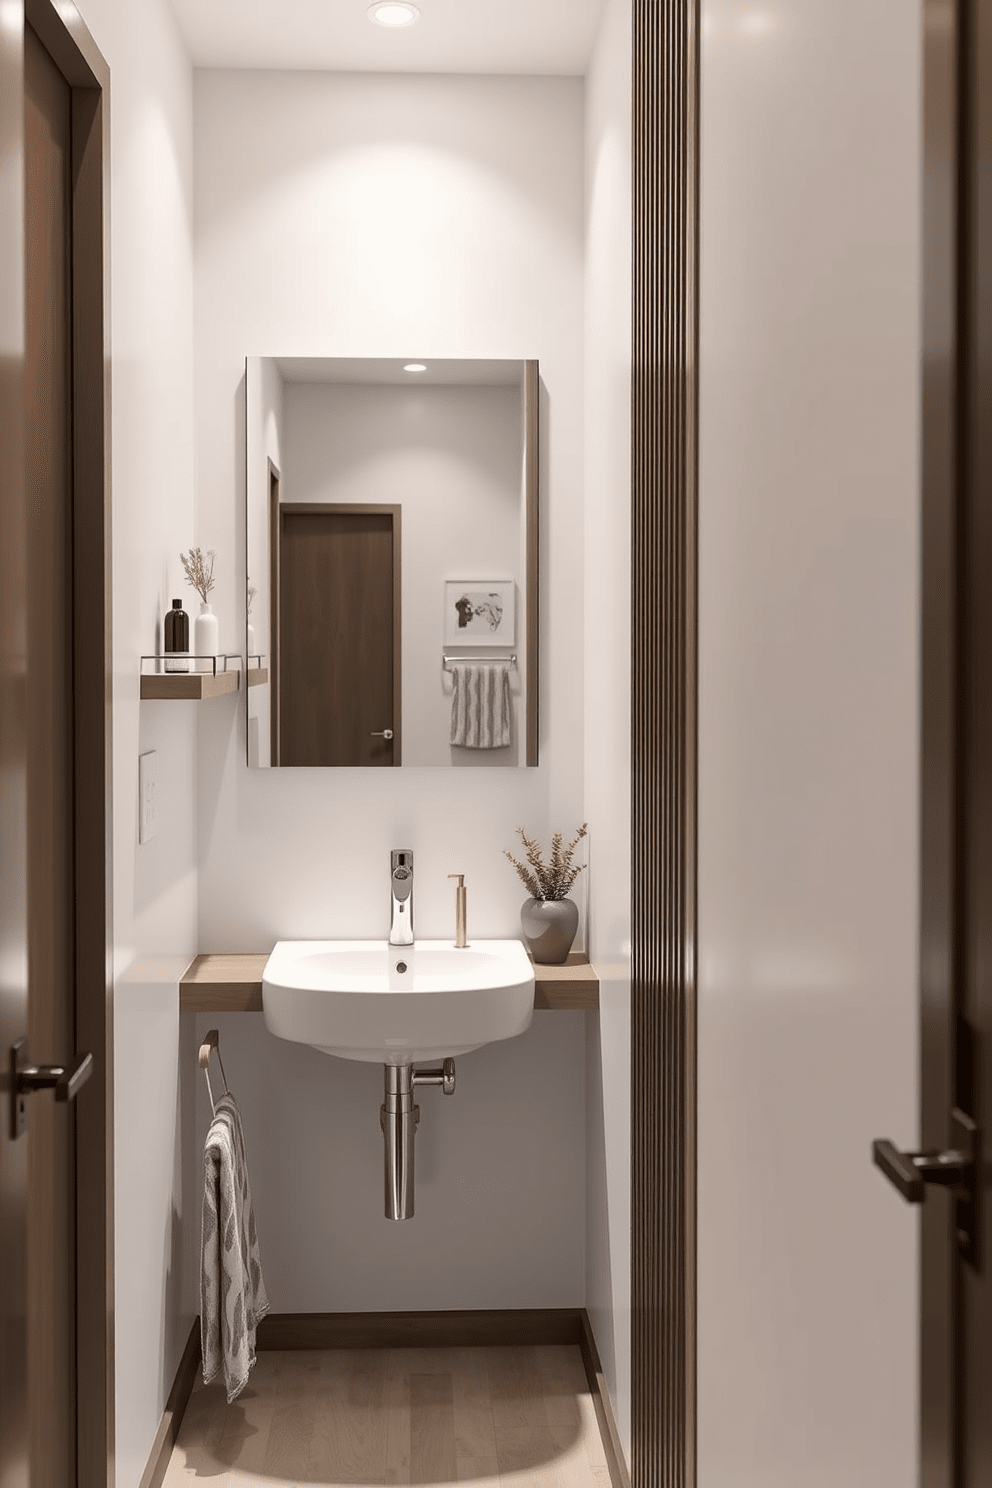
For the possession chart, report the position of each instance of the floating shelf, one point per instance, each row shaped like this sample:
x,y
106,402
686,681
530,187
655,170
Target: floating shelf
x,y
192,686
233,984
219,674
257,676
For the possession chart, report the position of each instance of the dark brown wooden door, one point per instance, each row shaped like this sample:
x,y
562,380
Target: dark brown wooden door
x,y
969,1010
13,769
338,642
51,1022
956,761
55,751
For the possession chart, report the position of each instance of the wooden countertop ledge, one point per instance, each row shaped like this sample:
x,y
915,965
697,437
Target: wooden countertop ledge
x,y
217,983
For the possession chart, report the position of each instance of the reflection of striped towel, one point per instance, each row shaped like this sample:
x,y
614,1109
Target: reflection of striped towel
x,y
480,705
232,1292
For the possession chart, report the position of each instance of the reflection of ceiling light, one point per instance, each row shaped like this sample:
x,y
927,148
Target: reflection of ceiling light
x,y
393,13
414,367
757,23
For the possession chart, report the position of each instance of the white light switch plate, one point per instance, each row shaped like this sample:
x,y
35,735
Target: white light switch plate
x,y
147,796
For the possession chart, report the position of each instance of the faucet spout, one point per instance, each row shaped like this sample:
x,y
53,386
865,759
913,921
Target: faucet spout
x,y
401,891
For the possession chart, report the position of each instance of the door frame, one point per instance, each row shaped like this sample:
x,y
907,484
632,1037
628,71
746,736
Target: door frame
x,y
941,434
68,41
664,400
13,749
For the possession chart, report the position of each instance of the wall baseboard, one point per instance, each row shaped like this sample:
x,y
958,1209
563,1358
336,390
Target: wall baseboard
x,y
353,1330
350,1330
613,1447
182,1389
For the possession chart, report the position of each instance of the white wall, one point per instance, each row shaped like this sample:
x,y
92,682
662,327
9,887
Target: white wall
x,y
372,216
451,458
305,184
487,1231
607,694
808,740
155,884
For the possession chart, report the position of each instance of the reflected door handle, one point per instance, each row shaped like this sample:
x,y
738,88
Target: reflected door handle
x,y
381,734
65,1079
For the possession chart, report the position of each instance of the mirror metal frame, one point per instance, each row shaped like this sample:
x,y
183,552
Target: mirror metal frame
x,y
532,504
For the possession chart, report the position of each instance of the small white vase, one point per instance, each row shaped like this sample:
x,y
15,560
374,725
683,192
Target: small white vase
x,y
206,636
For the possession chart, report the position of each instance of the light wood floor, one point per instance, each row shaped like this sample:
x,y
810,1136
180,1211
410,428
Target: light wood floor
x,y
383,1416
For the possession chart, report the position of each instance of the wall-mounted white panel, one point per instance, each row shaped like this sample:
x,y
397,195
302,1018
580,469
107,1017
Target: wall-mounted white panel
x,y
809,550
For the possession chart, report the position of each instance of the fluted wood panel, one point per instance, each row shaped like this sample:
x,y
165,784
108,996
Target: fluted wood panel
x,y
663,1013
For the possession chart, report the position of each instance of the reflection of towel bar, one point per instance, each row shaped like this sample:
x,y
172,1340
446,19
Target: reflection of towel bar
x,y
212,1041
449,659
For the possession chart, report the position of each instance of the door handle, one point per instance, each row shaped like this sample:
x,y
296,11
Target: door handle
x,y
381,734
909,1172
955,1168
65,1079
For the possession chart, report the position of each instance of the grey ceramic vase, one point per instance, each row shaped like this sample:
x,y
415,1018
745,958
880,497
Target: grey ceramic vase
x,y
549,927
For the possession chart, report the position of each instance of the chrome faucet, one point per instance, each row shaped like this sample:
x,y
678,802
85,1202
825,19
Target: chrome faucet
x,y
401,886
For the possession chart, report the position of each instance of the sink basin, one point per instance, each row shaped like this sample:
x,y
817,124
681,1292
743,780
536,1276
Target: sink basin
x,y
365,999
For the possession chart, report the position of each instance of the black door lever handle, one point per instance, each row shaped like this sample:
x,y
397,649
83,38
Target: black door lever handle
x,y
957,1169
65,1079
900,1169
910,1172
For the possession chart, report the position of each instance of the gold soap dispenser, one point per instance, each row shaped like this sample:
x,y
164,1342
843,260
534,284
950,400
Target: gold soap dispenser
x,y
461,912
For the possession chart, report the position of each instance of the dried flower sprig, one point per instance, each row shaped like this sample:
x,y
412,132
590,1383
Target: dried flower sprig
x,y
554,879
252,591
199,570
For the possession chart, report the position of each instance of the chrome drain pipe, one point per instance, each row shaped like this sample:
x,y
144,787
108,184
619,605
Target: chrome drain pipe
x,y
399,1117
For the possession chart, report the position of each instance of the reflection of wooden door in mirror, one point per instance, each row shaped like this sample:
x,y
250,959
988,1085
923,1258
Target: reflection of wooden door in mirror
x,y
338,642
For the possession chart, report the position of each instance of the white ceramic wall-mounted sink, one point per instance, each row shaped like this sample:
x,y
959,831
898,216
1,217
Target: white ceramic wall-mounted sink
x,y
365,999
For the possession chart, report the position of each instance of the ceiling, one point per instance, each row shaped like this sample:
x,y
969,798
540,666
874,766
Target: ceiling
x,y
487,36
440,371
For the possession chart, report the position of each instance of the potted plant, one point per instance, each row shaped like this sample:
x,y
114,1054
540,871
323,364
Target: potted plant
x,y
549,919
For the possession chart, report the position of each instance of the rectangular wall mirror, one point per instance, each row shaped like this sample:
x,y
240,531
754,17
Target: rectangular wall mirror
x,y
392,521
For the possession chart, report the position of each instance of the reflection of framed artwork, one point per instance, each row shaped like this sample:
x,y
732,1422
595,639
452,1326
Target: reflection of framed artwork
x,y
478,612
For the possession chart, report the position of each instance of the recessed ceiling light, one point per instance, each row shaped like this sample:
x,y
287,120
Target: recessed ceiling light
x,y
393,13
414,367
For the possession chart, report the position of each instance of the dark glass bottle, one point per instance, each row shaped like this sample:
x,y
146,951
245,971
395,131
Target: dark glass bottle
x,y
177,636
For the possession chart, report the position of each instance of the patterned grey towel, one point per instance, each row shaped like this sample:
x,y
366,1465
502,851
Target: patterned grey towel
x,y
480,705
232,1292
